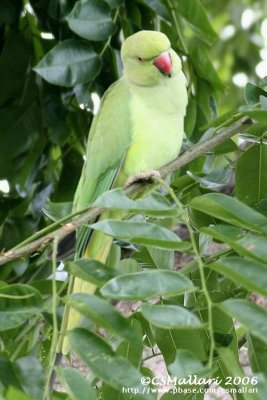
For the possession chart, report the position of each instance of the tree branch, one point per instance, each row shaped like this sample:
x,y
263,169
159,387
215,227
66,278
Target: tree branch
x,y
90,214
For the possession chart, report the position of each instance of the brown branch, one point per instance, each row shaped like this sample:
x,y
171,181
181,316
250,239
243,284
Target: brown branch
x,y
189,155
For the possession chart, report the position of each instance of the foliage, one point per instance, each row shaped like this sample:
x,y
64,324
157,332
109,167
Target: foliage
x,y
57,58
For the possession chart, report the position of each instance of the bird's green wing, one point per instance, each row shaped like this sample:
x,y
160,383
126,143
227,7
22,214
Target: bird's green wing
x,y
109,139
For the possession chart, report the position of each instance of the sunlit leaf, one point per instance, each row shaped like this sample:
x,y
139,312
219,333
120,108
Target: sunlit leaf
x,y
170,316
142,232
153,204
146,284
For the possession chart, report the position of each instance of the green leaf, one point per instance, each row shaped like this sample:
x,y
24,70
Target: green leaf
x,y
153,204
228,146
230,210
262,387
157,7
133,350
204,67
258,129
84,96
103,362
114,3
224,119
14,62
263,101
13,393
8,377
193,340
151,257
91,271
261,207
128,266
247,244
45,286
170,316
69,63
146,284
190,117
249,314
257,353
78,387
102,313
230,361
195,14
19,131
185,364
249,274
91,19
234,369
259,115
18,303
253,93
224,330
29,372
56,211
162,259
9,12
215,180
142,233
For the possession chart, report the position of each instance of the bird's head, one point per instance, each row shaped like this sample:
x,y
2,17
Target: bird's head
x,y
147,57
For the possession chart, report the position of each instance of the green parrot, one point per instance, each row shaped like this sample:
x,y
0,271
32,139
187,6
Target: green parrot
x,y
137,130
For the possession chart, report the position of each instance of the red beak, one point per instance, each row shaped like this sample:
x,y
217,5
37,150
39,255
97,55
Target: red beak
x,y
164,63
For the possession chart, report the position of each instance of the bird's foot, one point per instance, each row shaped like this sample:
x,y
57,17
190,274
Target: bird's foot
x,y
142,176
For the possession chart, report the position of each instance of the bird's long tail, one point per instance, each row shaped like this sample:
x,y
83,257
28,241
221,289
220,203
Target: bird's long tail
x,y
98,248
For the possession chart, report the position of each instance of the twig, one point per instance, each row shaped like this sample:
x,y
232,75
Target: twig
x,y
90,214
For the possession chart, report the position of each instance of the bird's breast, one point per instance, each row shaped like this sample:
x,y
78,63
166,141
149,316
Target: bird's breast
x,y
157,115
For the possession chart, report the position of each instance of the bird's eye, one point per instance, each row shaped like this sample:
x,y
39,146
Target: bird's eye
x,y
140,59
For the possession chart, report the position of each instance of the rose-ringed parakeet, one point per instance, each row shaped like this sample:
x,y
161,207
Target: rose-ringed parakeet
x,y
138,129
